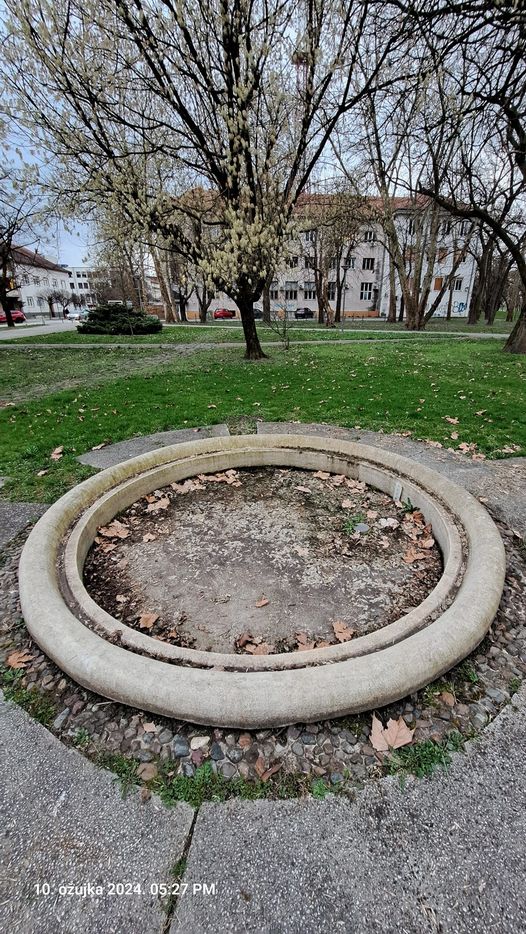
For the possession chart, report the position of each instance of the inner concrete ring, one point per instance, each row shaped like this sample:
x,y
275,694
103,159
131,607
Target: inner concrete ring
x,y
233,690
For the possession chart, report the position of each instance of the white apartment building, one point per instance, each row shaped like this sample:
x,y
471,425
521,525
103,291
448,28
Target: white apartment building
x,y
364,273
83,281
34,275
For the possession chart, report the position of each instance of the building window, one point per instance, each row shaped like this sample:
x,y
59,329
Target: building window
x,y
54,282
292,262
40,302
464,227
369,236
45,281
439,282
366,291
310,236
331,291
291,291
309,291
36,280
411,226
72,285
457,285
29,301
309,262
349,262
77,275
274,292
368,263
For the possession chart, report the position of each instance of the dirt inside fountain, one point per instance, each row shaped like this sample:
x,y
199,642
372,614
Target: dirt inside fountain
x,y
263,560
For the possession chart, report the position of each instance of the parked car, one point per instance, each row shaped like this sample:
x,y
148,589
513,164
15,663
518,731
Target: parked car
x,y
223,313
304,313
78,314
17,315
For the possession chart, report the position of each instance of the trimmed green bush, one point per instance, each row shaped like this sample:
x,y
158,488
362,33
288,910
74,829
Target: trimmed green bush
x,y
119,319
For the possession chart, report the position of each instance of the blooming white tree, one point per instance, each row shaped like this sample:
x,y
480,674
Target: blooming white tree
x,y
236,96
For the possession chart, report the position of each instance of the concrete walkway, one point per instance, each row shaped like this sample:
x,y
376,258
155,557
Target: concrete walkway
x,y
445,854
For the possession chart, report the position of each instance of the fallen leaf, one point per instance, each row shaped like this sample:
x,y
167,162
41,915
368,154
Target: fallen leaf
x,y
19,659
348,504
388,523
343,632
321,475
147,620
147,771
302,489
426,542
57,453
447,698
97,447
115,529
260,766
149,727
269,772
454,436
242,640
42,473
262,649
212,406
395,735
263,601
145,794
159,504
149,537
452,421
412,555
172,634
304,643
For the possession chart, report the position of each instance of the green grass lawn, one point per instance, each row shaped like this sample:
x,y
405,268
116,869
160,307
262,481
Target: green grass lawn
x,y
393,387
221,332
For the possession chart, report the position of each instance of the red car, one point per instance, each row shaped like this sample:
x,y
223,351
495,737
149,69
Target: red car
x,y
224,313
17,316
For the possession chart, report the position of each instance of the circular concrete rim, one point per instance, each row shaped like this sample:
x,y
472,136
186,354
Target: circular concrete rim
x,y
119,497
250,699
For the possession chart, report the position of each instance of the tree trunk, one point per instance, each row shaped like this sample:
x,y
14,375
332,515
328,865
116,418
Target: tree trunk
x,y
402,309
391,314
265,300
412,321
509,313
516,342
182,307
449,304
253,349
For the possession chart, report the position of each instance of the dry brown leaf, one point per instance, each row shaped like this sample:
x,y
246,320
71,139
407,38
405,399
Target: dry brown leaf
x,y
159,504
322,644
19,659
106,547
321,475
242,640
452,421
302,489
147,771
145,794
149,727
115,529
42,473
263,601
412,554
447,698
426,542
395,735
343,632
304,642
272,771
147,620
264,648
172,634
149,537
260,766
57,453
97,447
348,504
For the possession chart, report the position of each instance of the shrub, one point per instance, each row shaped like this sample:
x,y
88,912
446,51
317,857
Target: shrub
x,y
119,319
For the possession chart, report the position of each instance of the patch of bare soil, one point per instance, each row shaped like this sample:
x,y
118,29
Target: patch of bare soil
x,y
262,561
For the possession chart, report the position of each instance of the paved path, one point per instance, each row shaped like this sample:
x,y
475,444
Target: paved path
x,y
444,855
52,326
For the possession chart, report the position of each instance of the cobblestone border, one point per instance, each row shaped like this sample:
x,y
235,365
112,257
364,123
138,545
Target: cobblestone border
x,y
273,697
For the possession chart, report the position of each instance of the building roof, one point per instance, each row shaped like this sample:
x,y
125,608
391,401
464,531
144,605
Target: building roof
x,y
24,257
